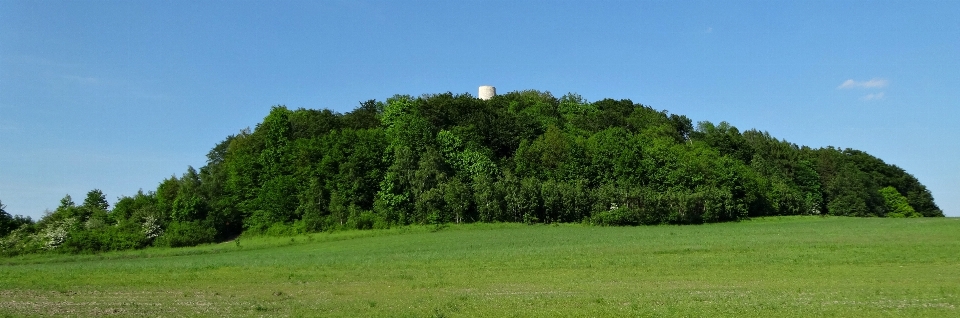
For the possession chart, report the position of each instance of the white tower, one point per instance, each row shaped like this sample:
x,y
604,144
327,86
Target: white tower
x,y
487,92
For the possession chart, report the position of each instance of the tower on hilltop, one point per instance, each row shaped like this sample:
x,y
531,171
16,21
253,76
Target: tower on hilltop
x,y
487,92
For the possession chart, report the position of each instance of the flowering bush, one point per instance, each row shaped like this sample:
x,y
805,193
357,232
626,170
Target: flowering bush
x,y
20,241
55,234
151,227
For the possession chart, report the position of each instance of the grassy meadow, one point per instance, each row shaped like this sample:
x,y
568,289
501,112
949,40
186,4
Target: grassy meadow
x,y
791,266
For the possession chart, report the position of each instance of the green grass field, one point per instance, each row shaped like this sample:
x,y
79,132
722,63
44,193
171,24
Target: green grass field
x,y
770,267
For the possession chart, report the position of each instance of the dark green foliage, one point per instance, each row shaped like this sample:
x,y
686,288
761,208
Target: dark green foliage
x,y
646,207
366,116
619,217
523,156
105,238
135,208
187,233
189,204
96,200
166,195
9,223
95,203
724,138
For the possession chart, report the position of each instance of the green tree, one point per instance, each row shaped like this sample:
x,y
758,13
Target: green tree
x,y
134,209
221,207
366,116
277,202
9,223
6,220
338,208
166,194
96,200
428,196
852,192
725,138
487,199
95,204
395,197
457,199
312,207
896,204
189,204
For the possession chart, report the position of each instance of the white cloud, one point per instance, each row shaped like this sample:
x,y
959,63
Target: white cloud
x,y
709,30
848,84
877,96
873,83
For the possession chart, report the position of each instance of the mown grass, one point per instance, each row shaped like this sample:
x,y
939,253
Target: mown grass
x,y
792,266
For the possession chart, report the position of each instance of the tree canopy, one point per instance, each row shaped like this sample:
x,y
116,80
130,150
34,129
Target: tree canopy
x,y
524,156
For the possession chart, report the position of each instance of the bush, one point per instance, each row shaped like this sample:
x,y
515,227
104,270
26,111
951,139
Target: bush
x,y
281,229
367,220
21,241
106,238
617,216
179,234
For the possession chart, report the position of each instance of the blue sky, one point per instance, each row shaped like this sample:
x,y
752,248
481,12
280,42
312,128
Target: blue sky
x,y
119,95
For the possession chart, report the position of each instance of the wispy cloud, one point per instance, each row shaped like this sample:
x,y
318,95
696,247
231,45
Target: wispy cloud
x,y
877,96
873,83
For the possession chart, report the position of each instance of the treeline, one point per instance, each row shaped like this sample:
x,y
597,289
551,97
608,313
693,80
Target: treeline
x,y
520,157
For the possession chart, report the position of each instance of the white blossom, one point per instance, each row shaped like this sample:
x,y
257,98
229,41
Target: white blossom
x,y
55,234
150,227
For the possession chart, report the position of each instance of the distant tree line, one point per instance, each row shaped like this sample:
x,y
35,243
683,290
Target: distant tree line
x,y
524,156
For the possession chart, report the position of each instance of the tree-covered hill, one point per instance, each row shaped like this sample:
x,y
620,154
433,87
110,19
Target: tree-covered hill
x,y
520,157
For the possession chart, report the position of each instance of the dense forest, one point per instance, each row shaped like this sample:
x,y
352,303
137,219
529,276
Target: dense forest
x,y
524,156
